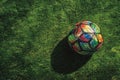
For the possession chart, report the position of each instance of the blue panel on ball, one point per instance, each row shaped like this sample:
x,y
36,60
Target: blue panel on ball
x,y
86,37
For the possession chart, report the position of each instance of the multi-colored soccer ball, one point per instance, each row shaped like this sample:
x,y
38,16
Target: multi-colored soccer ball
x,y
85,38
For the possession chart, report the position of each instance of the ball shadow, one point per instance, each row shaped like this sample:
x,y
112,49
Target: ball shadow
x,y
64,60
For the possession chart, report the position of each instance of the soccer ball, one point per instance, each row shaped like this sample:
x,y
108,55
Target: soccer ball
x,y
85,38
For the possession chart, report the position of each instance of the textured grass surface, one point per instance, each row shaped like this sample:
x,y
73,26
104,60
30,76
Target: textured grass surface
x,y
30,30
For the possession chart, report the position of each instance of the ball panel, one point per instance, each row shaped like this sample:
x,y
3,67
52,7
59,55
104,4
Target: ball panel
x,y
86,22
99,45
94,42
72,38
78,31
85,37
95,28
76,47
100,39
87,28
85,46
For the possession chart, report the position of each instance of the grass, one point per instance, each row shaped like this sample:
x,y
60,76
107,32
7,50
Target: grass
x,y
30,30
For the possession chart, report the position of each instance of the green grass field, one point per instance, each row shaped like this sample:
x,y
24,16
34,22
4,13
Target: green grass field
x,y
31,29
